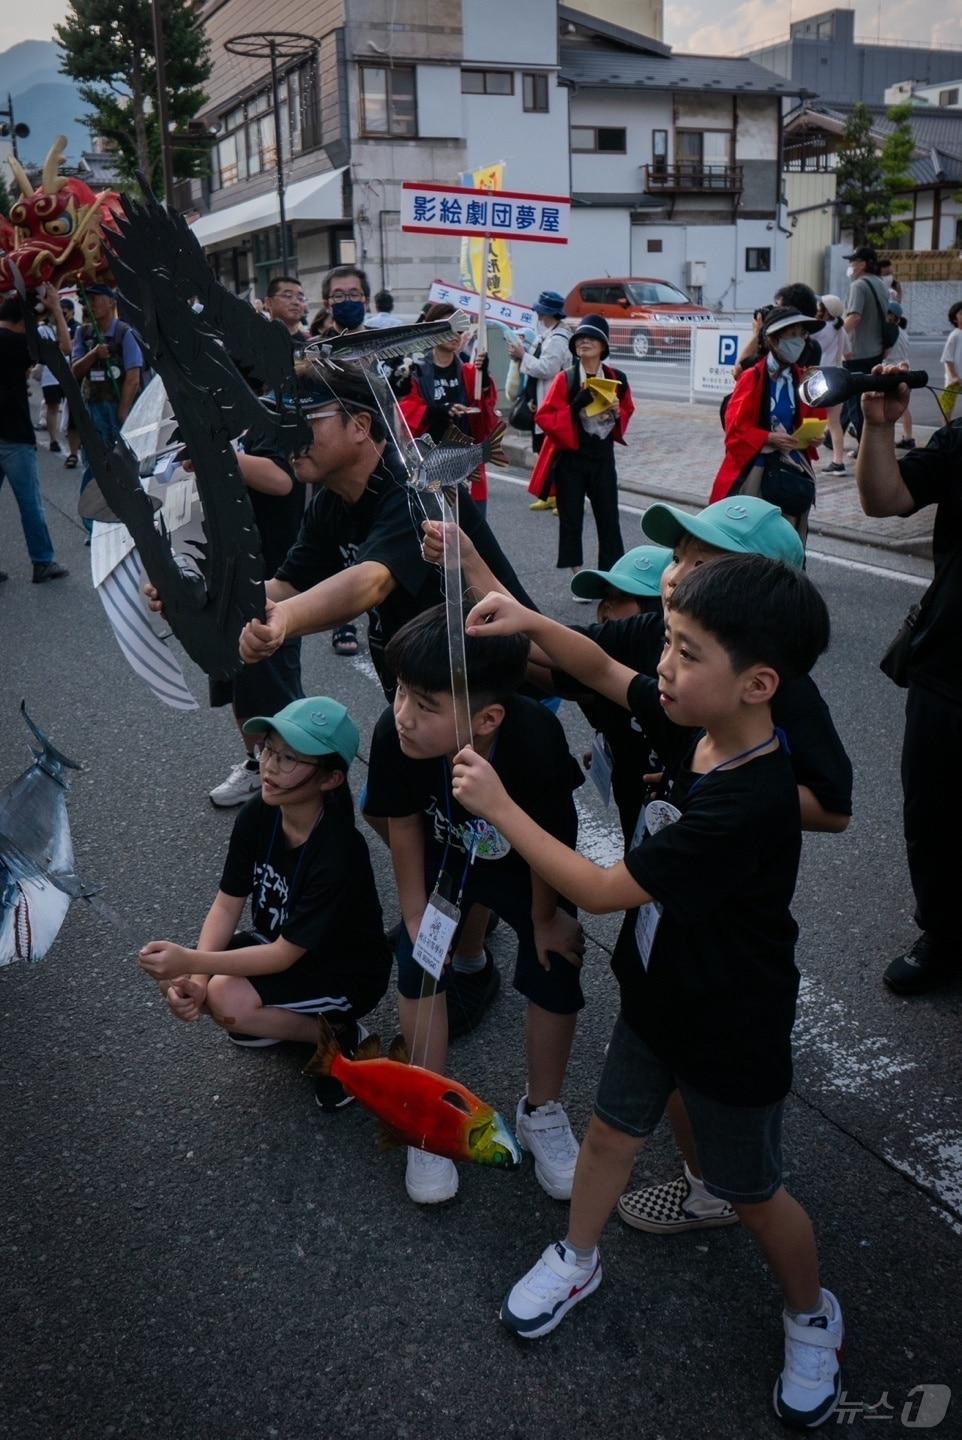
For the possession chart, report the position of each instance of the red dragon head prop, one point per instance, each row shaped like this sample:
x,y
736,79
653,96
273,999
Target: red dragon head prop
x,y
57,229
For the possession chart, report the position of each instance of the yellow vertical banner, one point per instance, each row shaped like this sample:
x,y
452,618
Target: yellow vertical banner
x,y
488,177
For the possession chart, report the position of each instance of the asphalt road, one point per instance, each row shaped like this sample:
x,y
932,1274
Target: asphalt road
x,y
191,1249
668,379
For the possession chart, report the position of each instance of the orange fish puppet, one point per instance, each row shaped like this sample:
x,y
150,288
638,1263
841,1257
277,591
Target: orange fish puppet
x,y
416,1106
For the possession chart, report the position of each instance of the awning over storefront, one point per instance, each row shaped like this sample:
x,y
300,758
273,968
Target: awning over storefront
x,y
319,198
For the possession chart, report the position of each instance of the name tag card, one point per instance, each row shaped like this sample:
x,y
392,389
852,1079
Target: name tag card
x,y
436,934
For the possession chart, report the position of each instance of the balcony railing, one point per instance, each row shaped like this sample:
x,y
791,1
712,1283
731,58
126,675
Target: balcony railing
x,y
692,177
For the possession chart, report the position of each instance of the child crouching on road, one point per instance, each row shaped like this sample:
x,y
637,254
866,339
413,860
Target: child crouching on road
x,y
705,958
316,944
442,856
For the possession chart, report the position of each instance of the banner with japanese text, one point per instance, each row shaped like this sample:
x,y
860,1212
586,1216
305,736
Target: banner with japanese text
x,y
431,209
506,312
500,279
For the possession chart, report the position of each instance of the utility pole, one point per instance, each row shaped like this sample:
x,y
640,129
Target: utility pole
x,y
274,46
163,122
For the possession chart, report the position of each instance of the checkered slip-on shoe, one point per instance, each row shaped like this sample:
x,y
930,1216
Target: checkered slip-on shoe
x,y
670,1209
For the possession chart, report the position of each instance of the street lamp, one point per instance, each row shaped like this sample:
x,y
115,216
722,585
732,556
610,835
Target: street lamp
x,y
10,129
280,45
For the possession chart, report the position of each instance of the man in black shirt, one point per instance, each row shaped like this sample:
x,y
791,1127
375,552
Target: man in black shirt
x,y
18,445
932,745
359,547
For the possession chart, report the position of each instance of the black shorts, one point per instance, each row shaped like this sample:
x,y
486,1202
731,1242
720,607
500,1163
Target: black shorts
x,y
739,1146
52,394
508,895
312,988
264,688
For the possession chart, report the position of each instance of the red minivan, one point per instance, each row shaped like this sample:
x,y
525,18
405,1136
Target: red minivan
x,y
657,317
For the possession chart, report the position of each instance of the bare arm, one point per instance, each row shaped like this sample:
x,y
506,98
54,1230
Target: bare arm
x,y
564,649
852,321
475,572
881,488
337,599
221,922
260,473
279,590
591,887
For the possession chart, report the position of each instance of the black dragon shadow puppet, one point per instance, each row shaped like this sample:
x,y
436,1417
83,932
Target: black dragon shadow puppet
x,y
199,354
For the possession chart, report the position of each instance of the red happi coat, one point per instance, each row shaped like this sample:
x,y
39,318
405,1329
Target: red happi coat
x,y
414,408
561,427
747,429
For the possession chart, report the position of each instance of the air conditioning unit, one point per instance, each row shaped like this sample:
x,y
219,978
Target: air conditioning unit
x,y
696,273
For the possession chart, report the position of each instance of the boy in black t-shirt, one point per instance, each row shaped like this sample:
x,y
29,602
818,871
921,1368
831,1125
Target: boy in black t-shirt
x,y
705,958
438,847
316,944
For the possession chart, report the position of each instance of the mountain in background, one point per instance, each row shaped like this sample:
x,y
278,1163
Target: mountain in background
x,y
43,99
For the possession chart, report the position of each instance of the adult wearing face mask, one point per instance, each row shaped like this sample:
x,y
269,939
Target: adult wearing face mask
x,y
346,292
865,312
550,354
765,411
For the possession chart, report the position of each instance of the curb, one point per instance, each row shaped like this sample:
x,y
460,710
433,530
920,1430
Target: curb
x,y
521,457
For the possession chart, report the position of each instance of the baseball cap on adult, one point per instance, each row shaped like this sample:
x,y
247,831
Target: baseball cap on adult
x,y
868,253
742,524
638,572
100,289
316,725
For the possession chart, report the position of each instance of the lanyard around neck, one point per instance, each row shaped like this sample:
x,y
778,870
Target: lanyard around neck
x,y
743,755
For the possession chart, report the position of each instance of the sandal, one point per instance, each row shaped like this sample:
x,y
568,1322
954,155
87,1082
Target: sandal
x,y
70,463
344,640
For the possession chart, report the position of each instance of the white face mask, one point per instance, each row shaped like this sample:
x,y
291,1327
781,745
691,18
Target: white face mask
x,y
790,351
850,272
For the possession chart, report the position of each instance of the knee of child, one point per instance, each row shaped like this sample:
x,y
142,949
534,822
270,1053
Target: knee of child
x,y
608,1139
759,1215
229,999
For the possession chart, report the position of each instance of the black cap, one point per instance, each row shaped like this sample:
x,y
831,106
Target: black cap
x,y
590,327
780,317
864,252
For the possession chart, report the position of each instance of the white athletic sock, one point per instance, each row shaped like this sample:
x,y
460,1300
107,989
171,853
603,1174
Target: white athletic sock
x,y
583,1258
823,1308
469,964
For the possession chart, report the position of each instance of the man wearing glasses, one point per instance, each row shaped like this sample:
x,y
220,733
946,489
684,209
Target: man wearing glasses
x,y
287,303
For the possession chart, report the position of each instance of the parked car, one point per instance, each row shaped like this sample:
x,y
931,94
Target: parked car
x,y
656,317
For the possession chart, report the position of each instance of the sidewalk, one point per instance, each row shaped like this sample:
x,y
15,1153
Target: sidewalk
x,y
674,451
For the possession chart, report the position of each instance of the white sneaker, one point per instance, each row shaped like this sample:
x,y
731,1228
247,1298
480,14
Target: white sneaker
x,y
430,1179
239,786
807,1391
542,1298
548,1135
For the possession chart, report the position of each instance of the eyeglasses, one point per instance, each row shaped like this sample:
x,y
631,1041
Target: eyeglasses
x,y
285,763
297,295
338,295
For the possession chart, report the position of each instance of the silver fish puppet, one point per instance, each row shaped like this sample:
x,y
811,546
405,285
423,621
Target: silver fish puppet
x,y
37,878
392,341
454,461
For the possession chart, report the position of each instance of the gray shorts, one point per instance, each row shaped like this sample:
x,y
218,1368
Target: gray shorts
x,y
739,1146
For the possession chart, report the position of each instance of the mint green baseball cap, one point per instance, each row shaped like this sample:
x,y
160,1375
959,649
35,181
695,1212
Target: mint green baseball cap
x,y
316,725
742,524
638,572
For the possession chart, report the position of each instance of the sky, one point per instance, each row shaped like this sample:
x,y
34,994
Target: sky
x,y
689,24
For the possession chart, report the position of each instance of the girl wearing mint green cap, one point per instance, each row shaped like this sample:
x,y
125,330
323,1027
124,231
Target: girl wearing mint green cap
x,y
316,940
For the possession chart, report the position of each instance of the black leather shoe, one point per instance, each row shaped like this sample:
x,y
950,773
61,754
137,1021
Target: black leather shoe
x,y
50,571
924,967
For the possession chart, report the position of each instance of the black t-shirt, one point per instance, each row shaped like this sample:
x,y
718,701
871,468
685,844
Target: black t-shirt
x,y
532,759
385,526
16,426
278,517
934,477
818,757
447,389
320,895
717,1001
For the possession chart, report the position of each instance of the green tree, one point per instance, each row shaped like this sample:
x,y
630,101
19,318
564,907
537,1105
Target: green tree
x,y
5,200
858,176
108,47
897,154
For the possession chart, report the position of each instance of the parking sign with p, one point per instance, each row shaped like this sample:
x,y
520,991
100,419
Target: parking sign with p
x,y
727,349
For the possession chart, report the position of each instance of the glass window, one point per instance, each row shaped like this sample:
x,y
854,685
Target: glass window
x,y
758,258
654,292
592,294
688,145
582,138
534,90
227,161
611,139
388,101
659,151
472,82
654,247
487,82
949,97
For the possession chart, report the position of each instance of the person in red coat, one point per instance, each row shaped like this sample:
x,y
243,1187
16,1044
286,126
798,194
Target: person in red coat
x,y
577,458
440,393
764,412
